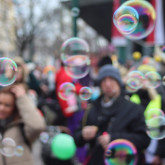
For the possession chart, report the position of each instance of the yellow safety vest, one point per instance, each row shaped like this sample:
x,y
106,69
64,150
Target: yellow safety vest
x,y
153,104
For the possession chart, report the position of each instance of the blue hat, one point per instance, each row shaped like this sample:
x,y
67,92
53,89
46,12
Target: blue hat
x,y
109,71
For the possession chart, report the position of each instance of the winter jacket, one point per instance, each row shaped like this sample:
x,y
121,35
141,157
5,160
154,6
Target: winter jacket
x,y
33,124
60,78
122,120
161,143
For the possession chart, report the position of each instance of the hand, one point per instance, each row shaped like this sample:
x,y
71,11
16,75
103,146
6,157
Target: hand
x,y
64,129
18,90
89,132
104,140
156,160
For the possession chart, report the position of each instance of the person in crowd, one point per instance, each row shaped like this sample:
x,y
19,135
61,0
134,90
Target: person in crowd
x,y
25,76
113,114
22,77
159,154
150,98
72,108
20,121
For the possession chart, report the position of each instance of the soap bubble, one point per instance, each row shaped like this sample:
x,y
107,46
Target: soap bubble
x,y
135,79
163,80
8,147
8,69
74,54
147,17
19,151
85,93
121,152
126,19
156,127
73,47
154,112
44,137
66,90
152,79
77,66
163,49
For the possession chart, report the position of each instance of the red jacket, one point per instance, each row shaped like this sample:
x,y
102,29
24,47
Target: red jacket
x,y
60,78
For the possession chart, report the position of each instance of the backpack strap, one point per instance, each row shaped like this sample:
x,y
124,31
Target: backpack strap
x,y
84,120
24,136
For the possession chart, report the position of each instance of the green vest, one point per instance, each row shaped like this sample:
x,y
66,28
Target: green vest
x,y
153,104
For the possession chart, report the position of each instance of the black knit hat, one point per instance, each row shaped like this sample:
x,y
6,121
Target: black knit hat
x,y
109,71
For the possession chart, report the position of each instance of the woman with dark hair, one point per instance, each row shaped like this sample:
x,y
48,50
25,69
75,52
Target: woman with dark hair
x,y
20,121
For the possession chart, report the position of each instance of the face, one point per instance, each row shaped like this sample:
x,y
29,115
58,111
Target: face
x,y
110,87
6,105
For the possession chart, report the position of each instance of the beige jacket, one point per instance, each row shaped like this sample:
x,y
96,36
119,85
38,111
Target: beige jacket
x,y
34,124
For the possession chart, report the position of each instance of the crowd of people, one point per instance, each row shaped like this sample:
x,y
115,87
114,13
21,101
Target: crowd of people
x,y
32,104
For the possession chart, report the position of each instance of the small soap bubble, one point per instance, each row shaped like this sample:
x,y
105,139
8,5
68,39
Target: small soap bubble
x,y
19,151
44,137
163,49
85,93
154,112
152,79
66,90
163,80
135,79
8,70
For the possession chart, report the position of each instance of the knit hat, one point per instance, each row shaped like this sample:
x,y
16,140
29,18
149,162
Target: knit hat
x,y
109,71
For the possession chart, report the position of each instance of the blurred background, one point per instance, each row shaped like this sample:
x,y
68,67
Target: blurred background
x,y
36,29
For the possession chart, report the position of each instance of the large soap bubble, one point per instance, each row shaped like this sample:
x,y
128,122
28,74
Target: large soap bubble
x,y
121,152
74,54
126,19
73,47
156,127
8,147
147,17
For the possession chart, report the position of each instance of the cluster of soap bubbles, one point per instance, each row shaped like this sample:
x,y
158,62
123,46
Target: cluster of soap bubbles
x,y
74,55
120,151
9,148
135,19
8,69
46,136
155,122
67,90
137,79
